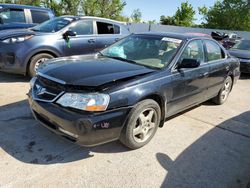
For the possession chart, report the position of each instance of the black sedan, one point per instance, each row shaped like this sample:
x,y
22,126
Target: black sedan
x,y
241,50
128,90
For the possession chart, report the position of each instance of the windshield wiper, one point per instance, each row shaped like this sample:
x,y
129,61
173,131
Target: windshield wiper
x,y
33,29
122,59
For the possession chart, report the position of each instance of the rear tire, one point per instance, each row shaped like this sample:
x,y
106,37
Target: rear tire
x,y
36,61
224,92
142,124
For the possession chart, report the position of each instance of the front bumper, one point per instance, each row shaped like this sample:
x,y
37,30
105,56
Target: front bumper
x,y
83,128
12,58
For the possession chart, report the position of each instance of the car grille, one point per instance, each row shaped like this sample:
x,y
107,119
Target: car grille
x,y
46,90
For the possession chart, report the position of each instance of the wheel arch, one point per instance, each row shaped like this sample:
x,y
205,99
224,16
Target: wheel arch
x,y
55,54
161,102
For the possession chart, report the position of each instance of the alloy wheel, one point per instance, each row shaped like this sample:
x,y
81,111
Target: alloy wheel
x,y
145,125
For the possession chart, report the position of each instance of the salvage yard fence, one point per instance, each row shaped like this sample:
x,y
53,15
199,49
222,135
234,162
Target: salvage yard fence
x,y
143,27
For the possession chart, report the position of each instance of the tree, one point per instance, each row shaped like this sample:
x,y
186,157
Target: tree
x,y
167,20
227,14
103,8
136,16
184,16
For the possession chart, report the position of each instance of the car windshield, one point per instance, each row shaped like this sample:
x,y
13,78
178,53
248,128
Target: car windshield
x,y
52,26
242,45
151,51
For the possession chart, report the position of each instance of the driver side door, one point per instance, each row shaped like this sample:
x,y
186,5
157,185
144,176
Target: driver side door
x,y
84,40
189,85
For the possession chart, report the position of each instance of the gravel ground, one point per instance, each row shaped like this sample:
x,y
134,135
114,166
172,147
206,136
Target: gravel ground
x,y
208,146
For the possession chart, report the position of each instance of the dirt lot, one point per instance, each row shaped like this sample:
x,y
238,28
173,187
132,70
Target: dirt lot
x,y
208,146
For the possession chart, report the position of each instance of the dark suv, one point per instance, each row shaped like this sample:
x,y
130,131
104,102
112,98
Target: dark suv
x,y
14,16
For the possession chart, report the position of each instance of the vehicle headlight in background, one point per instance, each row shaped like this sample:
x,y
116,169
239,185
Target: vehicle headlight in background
x,y
17,39
87,102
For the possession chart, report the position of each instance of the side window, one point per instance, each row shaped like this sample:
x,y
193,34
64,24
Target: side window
x,y
13,16
107,28
214,51
194,50
39,16
83,27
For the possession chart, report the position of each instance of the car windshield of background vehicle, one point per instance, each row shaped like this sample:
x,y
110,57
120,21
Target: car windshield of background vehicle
x,y
150,51
242,45
52,26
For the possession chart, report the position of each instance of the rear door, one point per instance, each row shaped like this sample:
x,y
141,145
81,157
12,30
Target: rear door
x,y
189,85
218,65
84,41
107,34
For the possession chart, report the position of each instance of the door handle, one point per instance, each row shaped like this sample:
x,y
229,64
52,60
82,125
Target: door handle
x,y
91,40
117,39
203,75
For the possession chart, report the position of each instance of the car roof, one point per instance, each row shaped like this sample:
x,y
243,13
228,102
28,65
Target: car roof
x,y
174,35
94,18
23,7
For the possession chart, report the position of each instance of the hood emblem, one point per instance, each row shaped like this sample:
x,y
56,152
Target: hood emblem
x,y
41,91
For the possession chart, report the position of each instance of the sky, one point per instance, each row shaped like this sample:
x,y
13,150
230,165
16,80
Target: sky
x,y
153,9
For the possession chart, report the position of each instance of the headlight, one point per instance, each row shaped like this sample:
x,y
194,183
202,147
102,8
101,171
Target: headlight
x,y
17,39
87,102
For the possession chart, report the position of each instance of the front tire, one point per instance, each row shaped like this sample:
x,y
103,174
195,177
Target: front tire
x,y
36,61
142,124
224,92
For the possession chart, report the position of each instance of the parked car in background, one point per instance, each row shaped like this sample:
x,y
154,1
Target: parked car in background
x,y
13,16
22,51
241,50
129,89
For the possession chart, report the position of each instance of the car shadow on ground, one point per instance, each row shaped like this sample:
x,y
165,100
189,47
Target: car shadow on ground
x,y
22,137
244,76
219,158
7,77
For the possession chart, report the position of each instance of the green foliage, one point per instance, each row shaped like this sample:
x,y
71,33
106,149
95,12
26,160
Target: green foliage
x,y
136,16
167,20
184,16
103,8
227,14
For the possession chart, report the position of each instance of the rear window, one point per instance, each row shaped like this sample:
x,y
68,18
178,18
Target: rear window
x,y
13,16
39,16
107,28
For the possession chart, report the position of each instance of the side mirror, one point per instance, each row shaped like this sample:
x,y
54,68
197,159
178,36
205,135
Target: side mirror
x,y
189,63
69,33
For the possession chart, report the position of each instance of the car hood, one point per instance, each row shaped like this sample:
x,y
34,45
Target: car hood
x,y
15,33
245,54
4,34
91,71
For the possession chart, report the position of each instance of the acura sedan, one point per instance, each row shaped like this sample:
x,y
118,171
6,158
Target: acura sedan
x,y
127,90
22,51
